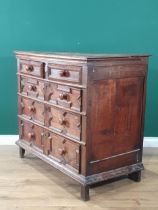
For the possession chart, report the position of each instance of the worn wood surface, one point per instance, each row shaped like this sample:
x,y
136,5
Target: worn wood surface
x,y
30,184
113,104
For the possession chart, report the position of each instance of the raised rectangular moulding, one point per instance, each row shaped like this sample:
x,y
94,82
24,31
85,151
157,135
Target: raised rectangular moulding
x,y
65,96
32,87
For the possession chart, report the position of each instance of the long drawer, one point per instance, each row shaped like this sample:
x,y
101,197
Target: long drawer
x,y
58,120
48,92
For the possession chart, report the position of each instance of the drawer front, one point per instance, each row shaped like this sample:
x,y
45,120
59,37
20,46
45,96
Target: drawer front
x,y
66,73
64,150
64,122
33,68
32,110
32,87
31,133
65,96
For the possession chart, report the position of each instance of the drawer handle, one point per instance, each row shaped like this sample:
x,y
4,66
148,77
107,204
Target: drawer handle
x,y
65,73
62,151
32,108
31,135
63,96
29,68
32,87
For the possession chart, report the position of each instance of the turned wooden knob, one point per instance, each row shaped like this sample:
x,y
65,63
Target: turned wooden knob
x,y
31,108
32,87
63,96
62,121
29,68
31,135
62,151
64,73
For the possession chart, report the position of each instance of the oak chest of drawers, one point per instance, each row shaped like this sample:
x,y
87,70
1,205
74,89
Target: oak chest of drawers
x,y
83,114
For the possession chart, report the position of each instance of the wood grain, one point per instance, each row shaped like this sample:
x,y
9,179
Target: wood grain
x,y
113,104
30,184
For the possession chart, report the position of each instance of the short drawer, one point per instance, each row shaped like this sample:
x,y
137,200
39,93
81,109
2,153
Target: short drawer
x,y
64,122
31,133
64,150
63,95
32,110
67,73
33,68
32,87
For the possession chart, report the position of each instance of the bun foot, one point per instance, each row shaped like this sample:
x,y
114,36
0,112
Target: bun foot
x,y
136,176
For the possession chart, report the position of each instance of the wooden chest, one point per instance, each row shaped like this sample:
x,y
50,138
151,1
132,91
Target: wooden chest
x,y
83,114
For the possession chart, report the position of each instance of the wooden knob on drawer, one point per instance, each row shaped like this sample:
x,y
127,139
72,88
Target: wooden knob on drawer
x,y
63,96
62,121
31,108
62,151
32,87
31,135
29,68
64,73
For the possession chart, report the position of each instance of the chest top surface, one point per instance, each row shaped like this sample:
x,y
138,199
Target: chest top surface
x,y
77,56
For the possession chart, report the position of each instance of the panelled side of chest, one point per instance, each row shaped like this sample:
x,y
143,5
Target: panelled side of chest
x,y
116,99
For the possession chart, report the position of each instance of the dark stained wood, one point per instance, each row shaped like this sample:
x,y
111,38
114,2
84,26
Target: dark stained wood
x,y
120,103
50,129
32,133
21,152
32,67
63,95
32,109
32,87
136,176
77,56
84,180
85,192
66,73
82,86
67,152
63,121
83,114
51,104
